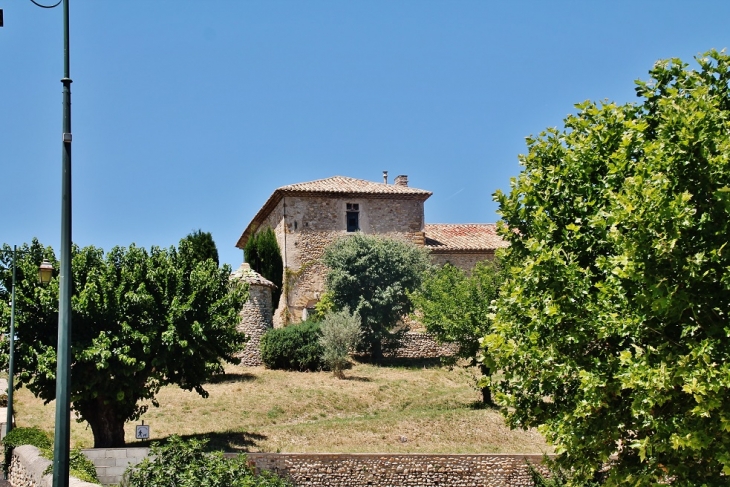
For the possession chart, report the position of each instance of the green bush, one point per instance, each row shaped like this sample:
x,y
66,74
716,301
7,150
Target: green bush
x,y
341,333
180,463
295,347
79,466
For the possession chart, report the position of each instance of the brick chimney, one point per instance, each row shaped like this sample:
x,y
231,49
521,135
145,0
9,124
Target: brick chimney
x,y
385,177
401,180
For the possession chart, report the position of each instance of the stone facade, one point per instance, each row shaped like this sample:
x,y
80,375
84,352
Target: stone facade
x,y
256,314
463,260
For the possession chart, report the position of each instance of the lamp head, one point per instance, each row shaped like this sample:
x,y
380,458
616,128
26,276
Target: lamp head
x,y
45,272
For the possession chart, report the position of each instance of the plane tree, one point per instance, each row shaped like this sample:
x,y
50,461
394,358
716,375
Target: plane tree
x,y
141,319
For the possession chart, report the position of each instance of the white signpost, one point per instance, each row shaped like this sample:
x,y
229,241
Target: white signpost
x,y
142,431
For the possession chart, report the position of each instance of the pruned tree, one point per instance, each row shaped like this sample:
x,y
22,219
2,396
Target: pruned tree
x,y
612,328
456,308
140,320
371,275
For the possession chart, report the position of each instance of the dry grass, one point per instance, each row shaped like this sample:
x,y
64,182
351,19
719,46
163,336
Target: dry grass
x,y
377,409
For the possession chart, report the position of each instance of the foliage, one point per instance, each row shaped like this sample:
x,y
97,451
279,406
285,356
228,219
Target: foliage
x,y
324,306
263,255
341,333
612,329
79,466
199,246
25,436
294,347
372,275
180,463
141,319
455,307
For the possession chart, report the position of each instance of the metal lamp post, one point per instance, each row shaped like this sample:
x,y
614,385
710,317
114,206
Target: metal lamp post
x,y
62,436
45,272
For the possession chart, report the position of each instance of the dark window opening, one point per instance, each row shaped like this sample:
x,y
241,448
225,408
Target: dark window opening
x,y
353,217
352,221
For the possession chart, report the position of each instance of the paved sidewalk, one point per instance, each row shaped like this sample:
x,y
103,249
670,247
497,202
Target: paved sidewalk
x,y
5,483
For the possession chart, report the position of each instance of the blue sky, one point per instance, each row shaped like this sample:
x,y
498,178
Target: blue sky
x,y
187,115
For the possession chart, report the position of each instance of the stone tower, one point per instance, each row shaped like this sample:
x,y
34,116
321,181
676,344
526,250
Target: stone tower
x,y
256,315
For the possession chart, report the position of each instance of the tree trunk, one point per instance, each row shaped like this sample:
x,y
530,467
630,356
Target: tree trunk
x,y
107,427
376,351
486,391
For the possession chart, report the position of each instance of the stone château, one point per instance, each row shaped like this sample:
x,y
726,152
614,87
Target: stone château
x,y
307,217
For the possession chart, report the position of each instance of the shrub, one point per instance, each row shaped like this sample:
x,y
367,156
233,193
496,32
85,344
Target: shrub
x,y
295,347
341,333
180,463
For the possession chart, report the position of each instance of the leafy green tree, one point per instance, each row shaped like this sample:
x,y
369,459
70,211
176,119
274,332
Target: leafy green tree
x,y
341,333
199,246
372,275
612,329
264,256
455,307
141,320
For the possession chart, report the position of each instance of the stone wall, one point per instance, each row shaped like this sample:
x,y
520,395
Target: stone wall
x,y
111,463
27,468
356,470
462,260
423,345
256,319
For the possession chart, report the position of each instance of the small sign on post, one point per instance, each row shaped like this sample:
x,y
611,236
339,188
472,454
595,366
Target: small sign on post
x,y
142,431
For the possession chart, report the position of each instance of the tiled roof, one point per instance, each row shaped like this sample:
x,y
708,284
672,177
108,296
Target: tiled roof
x,y
251,276
462,237
334,186
342,184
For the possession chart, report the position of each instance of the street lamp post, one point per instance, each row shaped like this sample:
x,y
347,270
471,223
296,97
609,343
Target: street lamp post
x,y
62,436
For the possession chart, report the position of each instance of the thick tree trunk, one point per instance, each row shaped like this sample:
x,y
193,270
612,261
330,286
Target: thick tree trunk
x,y
486,391
105,424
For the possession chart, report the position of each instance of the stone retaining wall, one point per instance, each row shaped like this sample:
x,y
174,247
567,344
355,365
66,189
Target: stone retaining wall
x,y
27,468
423,345
370,470
352,470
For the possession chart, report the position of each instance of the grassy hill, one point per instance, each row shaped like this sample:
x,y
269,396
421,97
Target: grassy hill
x,y
392,409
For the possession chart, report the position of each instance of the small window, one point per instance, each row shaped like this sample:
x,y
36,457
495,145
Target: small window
x,y
353,217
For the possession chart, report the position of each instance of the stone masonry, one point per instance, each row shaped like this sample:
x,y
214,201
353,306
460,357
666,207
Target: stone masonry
x,y
256,314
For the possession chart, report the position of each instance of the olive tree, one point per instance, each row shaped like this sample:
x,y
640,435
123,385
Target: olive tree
x,y
141,320
612,329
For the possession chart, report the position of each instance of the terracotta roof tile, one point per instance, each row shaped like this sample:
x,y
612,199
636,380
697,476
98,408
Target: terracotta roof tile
x,y
342,184
463,237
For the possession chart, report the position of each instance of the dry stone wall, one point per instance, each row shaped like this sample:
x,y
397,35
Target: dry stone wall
x,y
361,470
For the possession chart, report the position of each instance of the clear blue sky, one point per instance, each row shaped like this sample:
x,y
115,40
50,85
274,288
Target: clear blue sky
x,y
188,114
